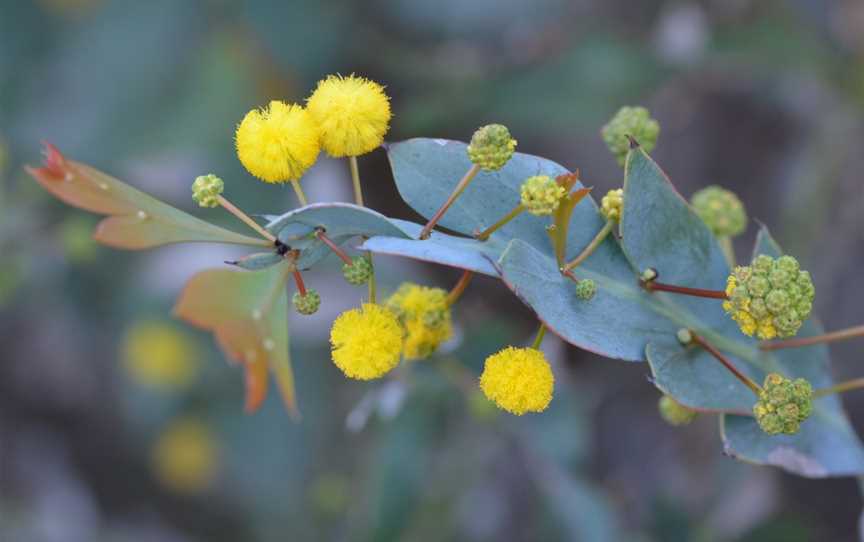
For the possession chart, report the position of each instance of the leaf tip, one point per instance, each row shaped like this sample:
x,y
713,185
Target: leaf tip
x,y
53,167
633,143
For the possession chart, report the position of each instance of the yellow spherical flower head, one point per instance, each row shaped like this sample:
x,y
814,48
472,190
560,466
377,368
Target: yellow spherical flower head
x,y
353,114
278,143
518,380
185,456
783,404
366,342
541,195
769,298
159,355
612,205
424,314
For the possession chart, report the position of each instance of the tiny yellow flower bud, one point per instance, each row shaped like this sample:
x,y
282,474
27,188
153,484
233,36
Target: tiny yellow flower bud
x,y
674,413
769,298
278,143
307,304
721,210
612,205
541,195
206,190
352,112
783,404
491,147
518,380
635,122
366,342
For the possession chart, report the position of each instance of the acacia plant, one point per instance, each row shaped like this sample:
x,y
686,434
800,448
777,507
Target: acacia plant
x,y
643,277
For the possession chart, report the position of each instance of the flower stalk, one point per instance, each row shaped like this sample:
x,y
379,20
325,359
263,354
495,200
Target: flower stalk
x,y
840,335
653,285
849,385
459,287
592,246
484,235
711,349
231,208
299,191
460,187
319,233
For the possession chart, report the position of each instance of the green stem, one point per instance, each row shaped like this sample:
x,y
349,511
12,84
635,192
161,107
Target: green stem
x,y
300,194
728,251
371,278
592,246
355,180
848,385
840,335
460,187
483,235
541,332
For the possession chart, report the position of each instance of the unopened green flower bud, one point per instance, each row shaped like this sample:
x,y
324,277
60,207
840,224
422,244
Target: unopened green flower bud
x,y
635,122
721,210
783,404
307,304
674,412
491,147
586,289
770,298
612,205
206,190
684,336
358,271
541,195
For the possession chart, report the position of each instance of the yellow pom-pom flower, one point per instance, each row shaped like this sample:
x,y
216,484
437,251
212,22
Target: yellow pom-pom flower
x,y
541,195
278,143
353,114
366,342
424,314
518,380
159,355
612,205
185,457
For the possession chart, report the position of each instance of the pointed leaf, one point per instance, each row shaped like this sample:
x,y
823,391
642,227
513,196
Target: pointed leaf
x,y
247,311
137,221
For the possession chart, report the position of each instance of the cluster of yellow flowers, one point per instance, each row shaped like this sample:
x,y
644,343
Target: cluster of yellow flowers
x,y
346,116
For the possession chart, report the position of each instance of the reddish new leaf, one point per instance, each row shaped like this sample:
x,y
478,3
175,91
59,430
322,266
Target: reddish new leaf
x,y
137,221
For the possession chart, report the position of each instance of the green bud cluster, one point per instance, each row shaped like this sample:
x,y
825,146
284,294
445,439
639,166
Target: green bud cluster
x,y
358,271
674,413
307,304
770,298
612,205
206,189
635,122
721,210
586,289
783,404
541,195
491,147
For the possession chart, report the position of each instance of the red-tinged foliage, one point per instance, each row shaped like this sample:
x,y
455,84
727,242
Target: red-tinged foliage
x,y
136,220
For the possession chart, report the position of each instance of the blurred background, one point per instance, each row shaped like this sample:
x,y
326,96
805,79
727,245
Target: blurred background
x,y
118,423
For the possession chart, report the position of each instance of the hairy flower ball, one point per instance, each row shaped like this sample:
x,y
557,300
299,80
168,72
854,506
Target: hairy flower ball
x,y
721,210
674,413
541,195
366,342
424,314
635,122
586,289
491,147
358,271
277,143
307,304
783,404
518,380
612,205
352,112
770,298
206,190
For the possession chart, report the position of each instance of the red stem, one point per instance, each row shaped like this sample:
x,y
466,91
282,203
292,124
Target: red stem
x,y
652,285
298,280
333,246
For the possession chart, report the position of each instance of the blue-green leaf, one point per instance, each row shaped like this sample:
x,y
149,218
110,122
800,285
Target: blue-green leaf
x,y
826,445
